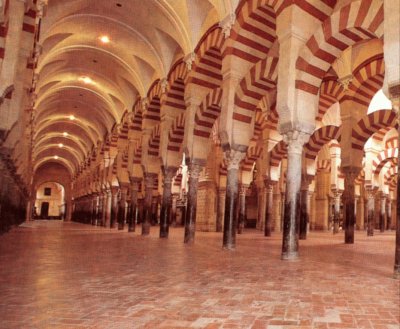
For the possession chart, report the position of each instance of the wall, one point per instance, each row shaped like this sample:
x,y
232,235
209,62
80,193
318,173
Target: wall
x,y
55,200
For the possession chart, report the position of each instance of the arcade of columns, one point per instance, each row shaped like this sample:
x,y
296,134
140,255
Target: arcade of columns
x,y
269,112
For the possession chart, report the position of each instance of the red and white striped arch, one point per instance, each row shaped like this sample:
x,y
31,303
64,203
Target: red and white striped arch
x,y
391,174
389,155
260,79
206,70
330,92
152,113
278,152
392,142
357,21
367,80
319,138
370,124
254,31
207,114
253,153
136,123
154,142
176,133
137,152
174,98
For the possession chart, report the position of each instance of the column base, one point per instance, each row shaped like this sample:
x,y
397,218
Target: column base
x,y
146,229
131,229
230,247
290,256
396,273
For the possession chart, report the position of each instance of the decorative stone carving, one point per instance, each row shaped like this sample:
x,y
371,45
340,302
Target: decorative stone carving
x,y
145,103
189,59
233,158
296,140
345,81
227,23
164,85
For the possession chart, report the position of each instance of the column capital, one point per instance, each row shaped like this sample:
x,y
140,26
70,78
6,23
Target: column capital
x,y
296,140
233,158
195,170
269,183
149,179
169,173
226,24
135,182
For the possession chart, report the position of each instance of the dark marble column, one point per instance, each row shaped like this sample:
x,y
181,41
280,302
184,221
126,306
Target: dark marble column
x,y
233,159
122,207
221,208
108,203
135,182
114,206
291,217
190,216
304,208
149,180
103,209
269,185
350,174
169,173
173,209
154,211
242,208
370,211
389,214
94,207
397,252
382,213
336,210
100,204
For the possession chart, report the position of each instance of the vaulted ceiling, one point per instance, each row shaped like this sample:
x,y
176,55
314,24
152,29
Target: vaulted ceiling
x,y
98,57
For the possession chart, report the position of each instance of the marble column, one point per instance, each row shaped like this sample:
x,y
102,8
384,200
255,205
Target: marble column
x,y
242,208
389,214
370,211
107,220
122,207
99,208
168,173
173,209
114,206
291,217
304,208
190,215
94,208
269,186
149,180
382,213
336,210
221,208
104,208
233,159
135,182
350,174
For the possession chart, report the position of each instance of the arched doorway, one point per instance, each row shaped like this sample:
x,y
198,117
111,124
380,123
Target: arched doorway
x,y
50,201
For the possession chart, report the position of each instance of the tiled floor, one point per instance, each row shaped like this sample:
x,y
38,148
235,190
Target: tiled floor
x,y
68,275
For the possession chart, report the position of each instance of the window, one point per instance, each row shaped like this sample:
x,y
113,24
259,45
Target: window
x,y
47,191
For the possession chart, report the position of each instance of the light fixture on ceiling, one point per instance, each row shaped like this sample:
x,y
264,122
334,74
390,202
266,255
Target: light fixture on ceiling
x,y
105,39
56,157
60,145
65,134
86,80
72,117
